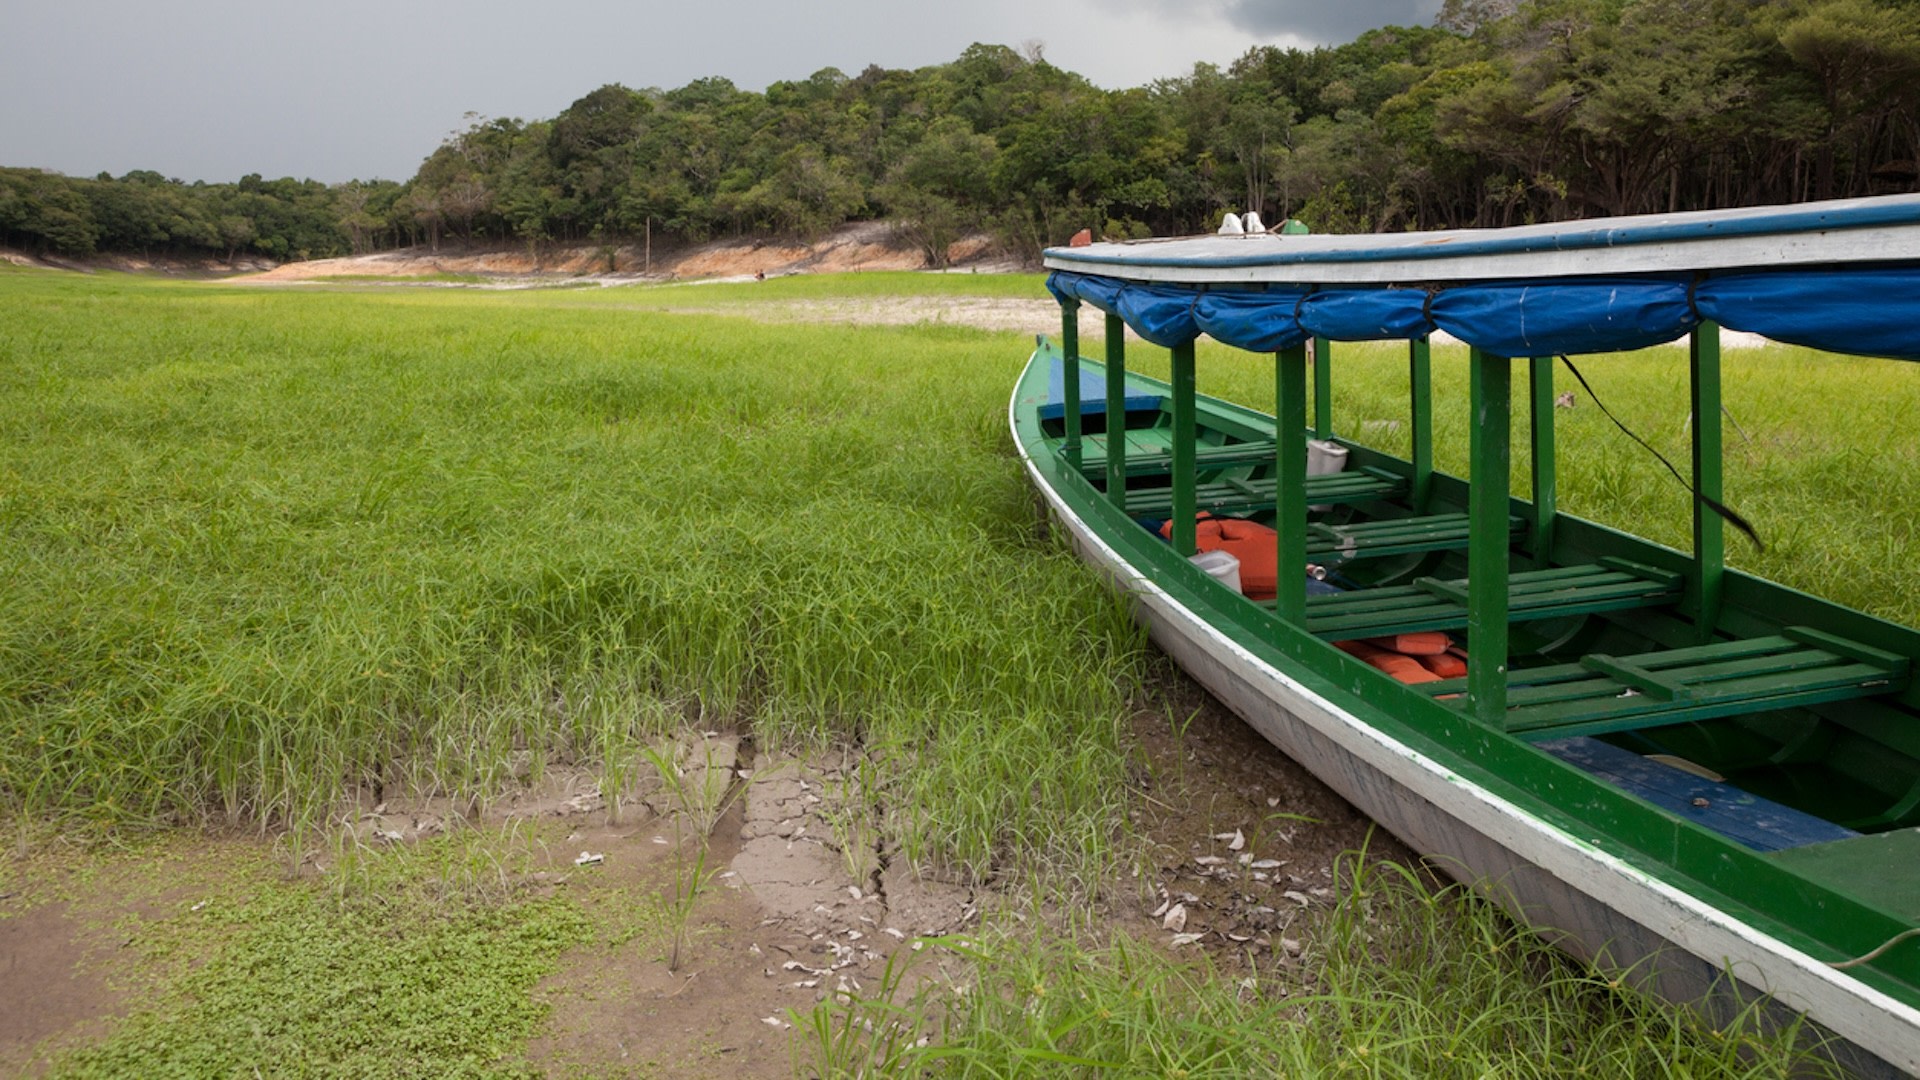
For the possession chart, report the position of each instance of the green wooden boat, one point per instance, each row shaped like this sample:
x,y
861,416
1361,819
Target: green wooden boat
x,y
1664,762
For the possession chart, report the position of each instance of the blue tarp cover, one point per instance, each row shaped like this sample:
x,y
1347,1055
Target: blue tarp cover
x,y
1871,312
1093,394
1367,314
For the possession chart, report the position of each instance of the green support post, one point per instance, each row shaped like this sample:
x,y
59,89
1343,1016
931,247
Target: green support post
x,y
1117,411
1709,542
1290,483
1322,388
1487,505
1183,448
1070,376
1545,497
1420,384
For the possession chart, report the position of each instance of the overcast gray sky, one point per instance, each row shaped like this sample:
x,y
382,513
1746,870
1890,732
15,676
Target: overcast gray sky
x,y
215,89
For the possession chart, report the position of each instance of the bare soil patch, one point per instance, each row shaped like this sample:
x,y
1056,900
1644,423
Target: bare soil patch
x,y
800,899
51,991
1241,838
802,908
1037,316
869,245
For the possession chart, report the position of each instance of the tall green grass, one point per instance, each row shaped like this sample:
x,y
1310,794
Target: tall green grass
x,y
264,548
1399,980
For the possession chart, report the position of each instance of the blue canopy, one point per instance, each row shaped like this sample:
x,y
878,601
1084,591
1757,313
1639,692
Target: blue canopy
x,y
1868,311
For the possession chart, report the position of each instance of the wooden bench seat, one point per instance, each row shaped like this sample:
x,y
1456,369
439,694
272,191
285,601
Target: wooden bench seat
x,y
1799,666
1393,536
1235,496
1160,461
1432,604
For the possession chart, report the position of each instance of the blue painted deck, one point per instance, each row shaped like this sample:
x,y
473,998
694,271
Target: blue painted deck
x,y
1093,394
1758,823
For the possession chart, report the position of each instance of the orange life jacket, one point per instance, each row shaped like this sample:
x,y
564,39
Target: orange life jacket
x,y
1402,667
1255,545
1423,643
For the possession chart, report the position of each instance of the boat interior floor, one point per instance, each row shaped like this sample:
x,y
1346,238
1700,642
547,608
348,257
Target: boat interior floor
x,y
1758,823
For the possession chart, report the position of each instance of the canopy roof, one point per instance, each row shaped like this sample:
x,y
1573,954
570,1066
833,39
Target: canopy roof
x,y
1841,276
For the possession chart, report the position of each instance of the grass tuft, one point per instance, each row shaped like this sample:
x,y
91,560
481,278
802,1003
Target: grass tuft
x,y
1401,979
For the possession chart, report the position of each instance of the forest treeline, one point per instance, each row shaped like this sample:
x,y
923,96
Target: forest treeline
x,y
1499,113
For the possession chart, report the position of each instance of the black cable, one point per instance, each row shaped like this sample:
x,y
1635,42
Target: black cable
x,y
1726,512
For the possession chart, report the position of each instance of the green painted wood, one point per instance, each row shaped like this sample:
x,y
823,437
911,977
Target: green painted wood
x,y
1182,507
1639,678
1545,498
1116,456
1725,650
1070,365
1393,536
1640,569
1233,495
1607,716
1160,461
1898,815
1420,391
1432,604
1322,388
1452,593
1709,534
1722,679
1834,643
1490,473
1883,870
1290,491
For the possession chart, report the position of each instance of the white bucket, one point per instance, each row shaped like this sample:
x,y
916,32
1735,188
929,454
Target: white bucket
x,y
1222,566
1324,458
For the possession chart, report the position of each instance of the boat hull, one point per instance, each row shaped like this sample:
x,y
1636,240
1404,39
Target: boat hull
x,y
1589,901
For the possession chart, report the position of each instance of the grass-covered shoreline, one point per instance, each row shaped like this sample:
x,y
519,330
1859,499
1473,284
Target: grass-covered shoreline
x,y
268,548
265,548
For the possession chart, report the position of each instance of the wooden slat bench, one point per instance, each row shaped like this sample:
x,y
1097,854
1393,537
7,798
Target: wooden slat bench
x,y
1432,604
1160,461
1234,496
1799,666
1394,536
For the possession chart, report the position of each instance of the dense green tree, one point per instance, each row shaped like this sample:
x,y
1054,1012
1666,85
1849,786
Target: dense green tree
x,y
1503,111
1865,57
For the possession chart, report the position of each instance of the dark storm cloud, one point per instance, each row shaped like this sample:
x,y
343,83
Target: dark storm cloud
x,y
1322,22
1329,23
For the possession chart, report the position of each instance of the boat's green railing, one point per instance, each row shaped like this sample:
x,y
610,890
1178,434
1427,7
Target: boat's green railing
x,y
1489,542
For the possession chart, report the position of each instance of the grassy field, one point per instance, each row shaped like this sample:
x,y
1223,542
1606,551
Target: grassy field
x,y
265,548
